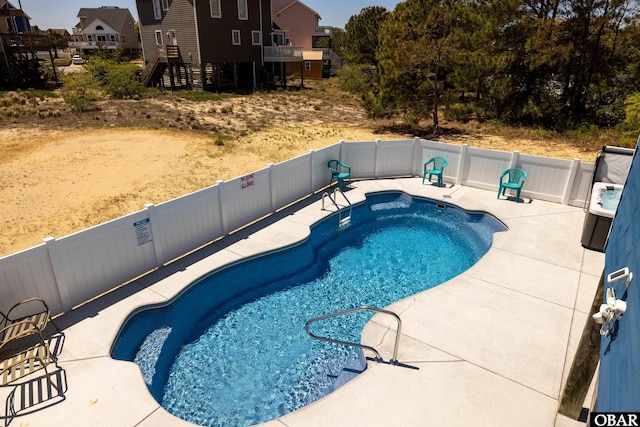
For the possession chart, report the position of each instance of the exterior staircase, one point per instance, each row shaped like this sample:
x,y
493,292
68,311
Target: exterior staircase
x,y
167,58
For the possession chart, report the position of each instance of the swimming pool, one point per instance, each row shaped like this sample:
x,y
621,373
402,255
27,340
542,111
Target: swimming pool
x,y
232,349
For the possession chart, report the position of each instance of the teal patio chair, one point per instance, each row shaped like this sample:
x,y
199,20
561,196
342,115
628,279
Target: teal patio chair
x,y
339,171
434,166
515,179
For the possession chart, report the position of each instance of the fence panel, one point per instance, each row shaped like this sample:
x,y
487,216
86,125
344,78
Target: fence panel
x,y
99,258
361,156
394,158
182,224
451,152
482,168
245,199
546,177
291,180
28,274
78,267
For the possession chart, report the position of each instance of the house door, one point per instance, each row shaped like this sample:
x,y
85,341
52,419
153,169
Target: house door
x,y
173,38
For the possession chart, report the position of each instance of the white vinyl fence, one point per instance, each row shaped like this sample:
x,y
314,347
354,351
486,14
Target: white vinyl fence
x,y
73,269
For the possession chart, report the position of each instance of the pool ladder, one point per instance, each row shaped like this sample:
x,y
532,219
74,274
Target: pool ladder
x,y
393,361
342,222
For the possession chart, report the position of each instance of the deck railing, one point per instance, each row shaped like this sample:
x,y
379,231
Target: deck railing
x,y
283,53
95,45
75,268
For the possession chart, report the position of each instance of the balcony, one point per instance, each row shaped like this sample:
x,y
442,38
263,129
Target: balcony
x,y
95,45
283,54
25,41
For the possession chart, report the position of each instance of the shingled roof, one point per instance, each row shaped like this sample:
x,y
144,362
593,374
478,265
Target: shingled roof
x,y
113,16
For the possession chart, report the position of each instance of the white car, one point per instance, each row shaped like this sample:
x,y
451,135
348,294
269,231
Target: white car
x,y
77,59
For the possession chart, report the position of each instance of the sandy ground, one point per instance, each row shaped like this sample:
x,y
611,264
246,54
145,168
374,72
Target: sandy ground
x,y
62,183
57,182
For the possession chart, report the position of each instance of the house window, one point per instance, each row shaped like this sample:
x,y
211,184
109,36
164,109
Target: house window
x,y
19,24
9,25
256,38
216,10
159,37
287,41
102,38
157,13
89,38
124,38
277,39
307,65
99,28
243,13
235,37
165,4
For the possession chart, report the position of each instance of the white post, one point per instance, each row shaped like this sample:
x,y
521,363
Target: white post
x,y
272,195
416,149
515,156
376,168
152,213
570,181
222,218
58,273
464,153
311,172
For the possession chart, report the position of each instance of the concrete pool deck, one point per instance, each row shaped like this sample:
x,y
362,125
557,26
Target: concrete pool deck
x,y
494,345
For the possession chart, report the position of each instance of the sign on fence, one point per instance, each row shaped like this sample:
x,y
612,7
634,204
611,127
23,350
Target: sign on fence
x,y
247,181
143,231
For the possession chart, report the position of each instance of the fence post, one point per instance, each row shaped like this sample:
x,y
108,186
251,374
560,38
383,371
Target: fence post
x,y
156,236
464,152
311,172
58,273
222,218
570,181
375,159
416,149
272,196
341,155
515,156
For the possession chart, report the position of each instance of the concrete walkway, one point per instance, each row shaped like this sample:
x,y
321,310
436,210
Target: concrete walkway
x,y
494,345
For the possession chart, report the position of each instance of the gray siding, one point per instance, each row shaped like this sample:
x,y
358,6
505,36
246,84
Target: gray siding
x,y
129,31
179,17
215,33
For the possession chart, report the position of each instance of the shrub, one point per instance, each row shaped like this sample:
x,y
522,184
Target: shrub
x,y
123,81
356,78
78,92
465,113
118,80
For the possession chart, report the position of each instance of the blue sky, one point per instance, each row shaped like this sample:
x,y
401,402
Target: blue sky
x,y
62,13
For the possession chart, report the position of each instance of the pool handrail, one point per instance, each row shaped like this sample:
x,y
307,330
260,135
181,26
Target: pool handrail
x,y
340,208
393,361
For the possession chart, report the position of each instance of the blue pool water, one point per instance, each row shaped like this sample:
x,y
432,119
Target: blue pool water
x,y
232,349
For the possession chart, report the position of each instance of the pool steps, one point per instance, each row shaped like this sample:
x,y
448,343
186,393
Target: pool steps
x,y
351,370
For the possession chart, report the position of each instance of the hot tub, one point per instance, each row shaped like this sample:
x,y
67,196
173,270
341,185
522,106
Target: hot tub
x,y
602,209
